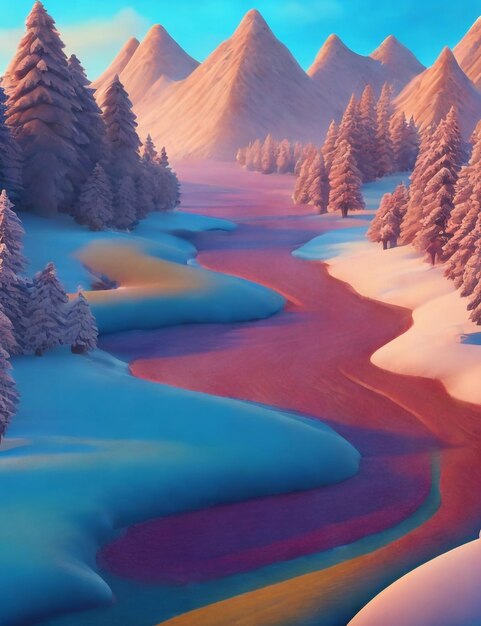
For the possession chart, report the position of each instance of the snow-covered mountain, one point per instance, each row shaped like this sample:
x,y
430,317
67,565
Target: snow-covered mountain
x,y
341,72
429,96
248,87
399,64
468,53
117,66
153,64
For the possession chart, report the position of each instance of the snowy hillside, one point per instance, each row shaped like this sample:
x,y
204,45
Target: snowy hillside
x,y
429,96
468,54
157,60
249,86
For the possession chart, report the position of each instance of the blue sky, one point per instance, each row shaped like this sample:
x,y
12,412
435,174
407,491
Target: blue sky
x,y
96,29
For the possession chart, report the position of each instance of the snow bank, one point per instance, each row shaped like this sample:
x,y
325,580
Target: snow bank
x,y
156,293
57,239
442,343
199,295
442,592
104,450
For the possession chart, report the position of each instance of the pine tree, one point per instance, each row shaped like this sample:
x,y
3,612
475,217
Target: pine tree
x,y
241,156
350,130
11,234
40,112
426,156
284,162
122,139
441,173
318,184
11,158
404,138
125,204
411,145
391,220
368,130
90,135
301,188
329,147
163,159
467,179
345,182
46,312
255,161
374,230
8,392
469,282
149,152
464,241
95,204
82,329
384,157
268,155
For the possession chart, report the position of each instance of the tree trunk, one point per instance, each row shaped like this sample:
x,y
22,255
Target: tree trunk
x,y
384,244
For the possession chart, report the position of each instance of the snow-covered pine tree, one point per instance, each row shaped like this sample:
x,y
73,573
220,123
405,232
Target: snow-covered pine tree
x,y
12,263
350,130
426,156
374,230
163,158
411,145
368,131
40,112
82,331
46,313
90,136
439,189
256,156
123,146
345,182
384,157
301,187
11,234
149,153
329,146
11,158
269,155
472,271
125,204
464,240
121,130
468,176
318,184
95,204
285,161
405,143
390,227
8,392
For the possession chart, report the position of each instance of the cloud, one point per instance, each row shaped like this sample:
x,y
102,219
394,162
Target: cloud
x,y
95,42
97,36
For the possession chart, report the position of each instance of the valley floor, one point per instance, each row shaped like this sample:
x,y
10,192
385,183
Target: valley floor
x,y
241,443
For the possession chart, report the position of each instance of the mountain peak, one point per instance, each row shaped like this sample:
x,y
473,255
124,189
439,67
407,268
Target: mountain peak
x,y
468,55
430,96
446,58
252,22
332,46
399,62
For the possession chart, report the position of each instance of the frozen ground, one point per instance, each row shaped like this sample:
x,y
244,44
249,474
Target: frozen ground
x,y
442,343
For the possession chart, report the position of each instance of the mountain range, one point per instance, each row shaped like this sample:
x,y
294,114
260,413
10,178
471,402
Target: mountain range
x,y
251,85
